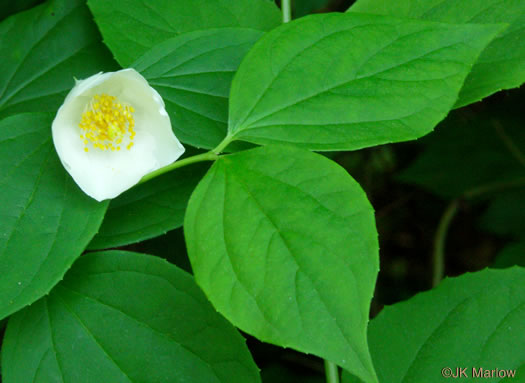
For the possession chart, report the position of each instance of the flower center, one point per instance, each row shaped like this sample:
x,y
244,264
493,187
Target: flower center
x,y
106,123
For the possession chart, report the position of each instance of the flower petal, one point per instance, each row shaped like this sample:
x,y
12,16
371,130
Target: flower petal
x,y
106,174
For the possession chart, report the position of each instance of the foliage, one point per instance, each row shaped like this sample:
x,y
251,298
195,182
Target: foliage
x,y
307,250
500,66
98,298
283,242
423,332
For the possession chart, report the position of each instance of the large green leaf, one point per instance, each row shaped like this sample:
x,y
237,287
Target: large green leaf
x,y
124,317
132,27
283,243
500,66
347,81
193,73
474,321
471,153
42,50
45,220
149,209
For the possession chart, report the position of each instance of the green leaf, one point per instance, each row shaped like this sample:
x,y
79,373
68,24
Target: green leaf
x,y
283,243
505,214
502,63
513,254
42,51
124,317
8,8
348,81
132,27
519,372
193,73
474,321
149,209
45,220
471,154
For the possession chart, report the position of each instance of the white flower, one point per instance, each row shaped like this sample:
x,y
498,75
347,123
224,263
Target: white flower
x,y
111,131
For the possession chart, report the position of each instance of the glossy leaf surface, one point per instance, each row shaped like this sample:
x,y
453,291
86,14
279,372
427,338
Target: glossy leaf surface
x,y
502,63
193,74
283,243
124,317
43,50
46,221
348,81
473,321
132,27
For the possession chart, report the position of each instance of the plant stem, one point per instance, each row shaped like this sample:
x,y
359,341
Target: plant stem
x,y
208,156
493,187
438,256
286,9
222,145
331,371
212,155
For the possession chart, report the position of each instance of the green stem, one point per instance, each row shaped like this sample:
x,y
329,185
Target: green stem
x,y
438,256
212,155
224,143
286,9
331,371
208,156
494,187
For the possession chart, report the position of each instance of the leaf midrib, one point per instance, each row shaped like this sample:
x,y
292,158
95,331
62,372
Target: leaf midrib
x,y
137,321
253,124
7,96
277,230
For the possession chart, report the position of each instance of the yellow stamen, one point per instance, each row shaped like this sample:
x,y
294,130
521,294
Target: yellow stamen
x,y
106,121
